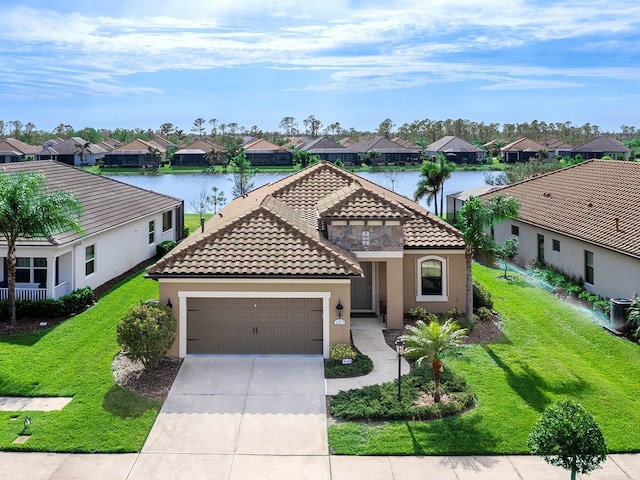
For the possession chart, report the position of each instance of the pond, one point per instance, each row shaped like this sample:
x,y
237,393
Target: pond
x,y
187,186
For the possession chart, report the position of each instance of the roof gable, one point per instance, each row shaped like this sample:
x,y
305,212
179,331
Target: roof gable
x,y
13,144
380,144
603,144
261,144
270,244
523,145
138,145
356,202
450,143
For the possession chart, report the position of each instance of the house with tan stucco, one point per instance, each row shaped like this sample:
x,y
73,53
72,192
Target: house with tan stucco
x,y
284,268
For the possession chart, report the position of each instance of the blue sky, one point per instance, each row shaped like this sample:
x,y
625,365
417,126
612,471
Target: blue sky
x,y
142,63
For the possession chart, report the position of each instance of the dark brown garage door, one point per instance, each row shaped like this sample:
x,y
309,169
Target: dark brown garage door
x,y
263,325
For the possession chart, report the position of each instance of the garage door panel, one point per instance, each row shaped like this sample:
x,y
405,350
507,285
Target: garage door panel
x,y
246,325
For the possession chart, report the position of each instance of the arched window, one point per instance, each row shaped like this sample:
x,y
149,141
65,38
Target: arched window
x,y
432,279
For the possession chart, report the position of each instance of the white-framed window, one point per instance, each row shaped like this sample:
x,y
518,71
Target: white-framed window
x,y
90,260
365,239
152,232
167,220
588,267
31,270
431,281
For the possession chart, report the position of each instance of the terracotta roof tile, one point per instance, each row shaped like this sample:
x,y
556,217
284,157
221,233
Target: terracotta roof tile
x,y
354,201
584,202
269,245
274,230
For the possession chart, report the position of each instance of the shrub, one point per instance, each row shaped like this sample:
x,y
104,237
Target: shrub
x,y
420,313
481,297
146,332
164,247
73,302
381,402
484,314
185,231
340,351
361,365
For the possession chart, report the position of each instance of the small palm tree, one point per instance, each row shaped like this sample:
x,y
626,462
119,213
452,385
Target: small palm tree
x,y
429,341
429,184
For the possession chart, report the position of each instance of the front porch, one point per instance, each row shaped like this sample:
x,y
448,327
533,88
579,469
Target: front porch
x,y
39,278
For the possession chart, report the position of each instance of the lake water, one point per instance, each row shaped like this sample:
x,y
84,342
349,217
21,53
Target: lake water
x,y
187,186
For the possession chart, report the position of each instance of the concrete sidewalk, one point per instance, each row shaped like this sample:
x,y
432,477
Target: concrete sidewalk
x,y
369,340
194,466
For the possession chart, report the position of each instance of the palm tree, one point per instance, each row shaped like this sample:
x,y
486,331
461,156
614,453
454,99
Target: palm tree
x,y
28,211
429,342
474,219
446,169
429,184
81,149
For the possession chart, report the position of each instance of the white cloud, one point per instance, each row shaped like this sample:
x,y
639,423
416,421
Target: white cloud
x,y
383,45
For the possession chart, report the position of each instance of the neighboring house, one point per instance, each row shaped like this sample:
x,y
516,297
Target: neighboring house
x,y
405,143
522,150
583,220
138,153
269,271
73,151
121,226
558,148
456,200
390,152
12,150
456,150
346,142
327,150
109,144
163,142
196,154
261,152
603,146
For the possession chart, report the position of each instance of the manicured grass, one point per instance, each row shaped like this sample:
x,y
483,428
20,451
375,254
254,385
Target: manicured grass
x,y
549,351
192,220
74,359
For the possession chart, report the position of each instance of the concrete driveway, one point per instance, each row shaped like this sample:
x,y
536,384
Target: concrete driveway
x,y
248,413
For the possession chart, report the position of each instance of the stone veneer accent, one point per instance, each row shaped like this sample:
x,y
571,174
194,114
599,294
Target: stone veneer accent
x,y
381,237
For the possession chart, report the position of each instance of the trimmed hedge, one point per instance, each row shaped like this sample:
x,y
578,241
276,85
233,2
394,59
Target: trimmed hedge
x,y
481,297
380,402
361,365
164,247
71,303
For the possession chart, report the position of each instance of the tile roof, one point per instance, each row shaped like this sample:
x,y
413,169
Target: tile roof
x,y
556,144
274,230
202,146
380,144
603,144
261,144
13,145
70,147
137,146
354,201
273,242
107,203
523,145
450,143
584,201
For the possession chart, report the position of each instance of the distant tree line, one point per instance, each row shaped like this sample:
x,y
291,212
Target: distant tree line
x,y
421,132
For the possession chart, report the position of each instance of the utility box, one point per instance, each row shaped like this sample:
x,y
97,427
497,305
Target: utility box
x,y
619,315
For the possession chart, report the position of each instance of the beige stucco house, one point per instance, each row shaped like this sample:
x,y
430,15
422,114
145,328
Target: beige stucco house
x,y
269,271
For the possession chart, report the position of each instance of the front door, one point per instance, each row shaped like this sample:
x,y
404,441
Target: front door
x,y
361,291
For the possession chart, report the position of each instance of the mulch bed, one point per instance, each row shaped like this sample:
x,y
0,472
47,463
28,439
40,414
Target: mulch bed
x,y
154,383
483,331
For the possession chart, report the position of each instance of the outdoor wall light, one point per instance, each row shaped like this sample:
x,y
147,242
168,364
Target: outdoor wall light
x,y
339,309
169,304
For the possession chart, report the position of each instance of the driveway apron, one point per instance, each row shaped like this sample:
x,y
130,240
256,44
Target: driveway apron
x,y
233,411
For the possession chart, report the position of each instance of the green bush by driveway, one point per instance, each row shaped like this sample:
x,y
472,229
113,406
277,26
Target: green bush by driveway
x,y
74,359
549,351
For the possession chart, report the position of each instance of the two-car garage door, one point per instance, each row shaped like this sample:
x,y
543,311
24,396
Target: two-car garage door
x,y
254,325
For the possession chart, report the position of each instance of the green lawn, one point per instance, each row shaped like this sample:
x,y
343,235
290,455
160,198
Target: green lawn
x,y
548,351
73,359
192,220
